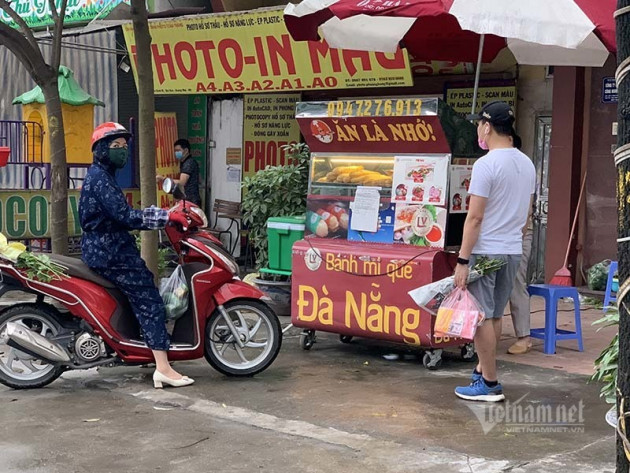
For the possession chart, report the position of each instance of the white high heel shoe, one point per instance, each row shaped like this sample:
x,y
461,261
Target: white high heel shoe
x,y
159,380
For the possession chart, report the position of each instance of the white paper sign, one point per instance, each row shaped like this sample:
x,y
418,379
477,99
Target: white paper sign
x,y
421,179
365,209
460,181
234,174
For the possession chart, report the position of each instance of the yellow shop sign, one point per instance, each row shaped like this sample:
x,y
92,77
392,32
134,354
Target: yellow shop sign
x,y
253,52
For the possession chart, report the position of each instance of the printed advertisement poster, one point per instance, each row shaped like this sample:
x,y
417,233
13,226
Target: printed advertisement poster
x,y
269,125
420,225
385,232
460,96
460,181
253,52
327,218
165,162
197,125
420,179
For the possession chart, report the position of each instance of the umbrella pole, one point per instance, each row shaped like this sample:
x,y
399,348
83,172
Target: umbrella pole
x,y
482,38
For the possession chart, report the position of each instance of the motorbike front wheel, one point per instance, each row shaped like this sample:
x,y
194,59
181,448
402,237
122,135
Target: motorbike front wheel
x,y
259,331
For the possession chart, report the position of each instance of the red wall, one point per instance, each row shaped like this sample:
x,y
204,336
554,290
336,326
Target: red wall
x,y
601,209
564,164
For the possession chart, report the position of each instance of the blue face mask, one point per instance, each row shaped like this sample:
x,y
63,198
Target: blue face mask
x,y
179,154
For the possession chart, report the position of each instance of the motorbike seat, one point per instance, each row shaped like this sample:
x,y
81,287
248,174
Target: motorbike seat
x,y
79,269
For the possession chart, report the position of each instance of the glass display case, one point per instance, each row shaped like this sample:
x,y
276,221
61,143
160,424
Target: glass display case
x,y
339,174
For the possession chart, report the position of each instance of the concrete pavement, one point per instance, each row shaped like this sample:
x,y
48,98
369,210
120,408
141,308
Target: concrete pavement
x,y
336,408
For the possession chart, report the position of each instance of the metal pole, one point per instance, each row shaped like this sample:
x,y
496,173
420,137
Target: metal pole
x,y
482,38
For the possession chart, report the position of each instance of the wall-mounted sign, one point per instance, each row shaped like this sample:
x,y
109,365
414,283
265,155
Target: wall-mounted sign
x,y
268,125
26,214
233,156
609,90
252,52
165,162
460,96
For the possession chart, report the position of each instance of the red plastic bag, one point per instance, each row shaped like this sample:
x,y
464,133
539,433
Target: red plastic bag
x,y
459,315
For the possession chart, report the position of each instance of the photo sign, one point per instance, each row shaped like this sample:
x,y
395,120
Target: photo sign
x,y
269,124
252,52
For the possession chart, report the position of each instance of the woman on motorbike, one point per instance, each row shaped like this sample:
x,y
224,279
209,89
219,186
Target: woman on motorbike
x,y
110,250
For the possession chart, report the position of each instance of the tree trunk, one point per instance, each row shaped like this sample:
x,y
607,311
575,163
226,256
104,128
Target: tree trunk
x,y
146,125
59,169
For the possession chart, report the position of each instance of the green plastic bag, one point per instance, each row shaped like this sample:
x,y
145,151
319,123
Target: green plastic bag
x,y
598,276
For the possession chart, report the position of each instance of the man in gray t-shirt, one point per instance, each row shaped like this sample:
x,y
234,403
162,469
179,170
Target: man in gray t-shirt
x,y
501,188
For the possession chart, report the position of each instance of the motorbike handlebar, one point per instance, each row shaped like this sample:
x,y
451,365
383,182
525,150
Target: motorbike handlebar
x,y
179,218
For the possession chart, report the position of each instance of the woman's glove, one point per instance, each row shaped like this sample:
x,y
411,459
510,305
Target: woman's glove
x,y
154,218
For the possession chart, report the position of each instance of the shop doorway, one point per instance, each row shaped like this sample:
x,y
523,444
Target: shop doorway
x,y
536,271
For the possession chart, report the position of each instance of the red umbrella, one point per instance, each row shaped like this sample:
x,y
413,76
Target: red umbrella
x,y
601,13
433,26
435,34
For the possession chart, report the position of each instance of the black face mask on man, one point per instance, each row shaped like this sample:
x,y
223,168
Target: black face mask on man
x,y
118,157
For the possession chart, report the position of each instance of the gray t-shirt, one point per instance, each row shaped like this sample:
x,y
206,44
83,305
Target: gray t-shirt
x,y
507,178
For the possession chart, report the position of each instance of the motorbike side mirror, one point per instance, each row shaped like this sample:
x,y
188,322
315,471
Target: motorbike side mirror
x,y
169,186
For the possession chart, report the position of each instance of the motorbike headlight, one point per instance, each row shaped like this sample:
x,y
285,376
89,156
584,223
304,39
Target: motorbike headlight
x,y
201,214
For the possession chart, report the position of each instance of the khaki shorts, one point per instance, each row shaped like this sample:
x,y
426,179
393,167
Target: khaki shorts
x,y
493,290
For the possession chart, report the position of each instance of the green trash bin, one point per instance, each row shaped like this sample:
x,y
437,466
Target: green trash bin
x,y
282,232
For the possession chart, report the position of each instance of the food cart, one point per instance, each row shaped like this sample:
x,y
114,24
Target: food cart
x,y
383,218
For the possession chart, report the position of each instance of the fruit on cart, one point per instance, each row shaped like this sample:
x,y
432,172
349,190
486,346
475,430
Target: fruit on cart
x,y
331,221
339,211
435,234
316,224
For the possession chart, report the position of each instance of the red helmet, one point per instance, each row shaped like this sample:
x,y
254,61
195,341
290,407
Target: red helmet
x,y
107,130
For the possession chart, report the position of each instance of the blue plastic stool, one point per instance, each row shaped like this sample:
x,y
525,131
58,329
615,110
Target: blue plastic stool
x,y
610,290
551,333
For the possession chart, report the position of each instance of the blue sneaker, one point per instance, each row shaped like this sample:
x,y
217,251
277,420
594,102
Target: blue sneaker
x,y
475,376
480,391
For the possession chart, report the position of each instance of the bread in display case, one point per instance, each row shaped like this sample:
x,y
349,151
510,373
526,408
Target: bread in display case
x,y
333,172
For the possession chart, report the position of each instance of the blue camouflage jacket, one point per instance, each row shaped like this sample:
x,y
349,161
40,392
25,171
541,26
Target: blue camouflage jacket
x,y
106,218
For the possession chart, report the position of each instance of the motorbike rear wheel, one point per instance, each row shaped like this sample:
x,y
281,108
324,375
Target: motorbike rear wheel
x,y
19,370
258,328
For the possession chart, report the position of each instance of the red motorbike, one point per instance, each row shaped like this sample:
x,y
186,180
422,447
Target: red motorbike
x,y
227,321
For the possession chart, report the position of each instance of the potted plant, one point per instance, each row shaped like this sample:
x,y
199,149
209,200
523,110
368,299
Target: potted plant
x,y
276,191
606,364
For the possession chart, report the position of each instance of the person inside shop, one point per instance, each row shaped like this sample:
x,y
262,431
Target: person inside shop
x,y
110,250
501,189
188,171
519,299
